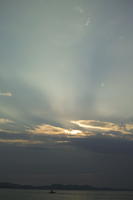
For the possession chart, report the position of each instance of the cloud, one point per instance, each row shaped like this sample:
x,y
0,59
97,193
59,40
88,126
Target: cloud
x,y
96,125
105,128
47,129
86,128
129,127
20,141
105,144
5,121
79,9
2,130
88,21
7,94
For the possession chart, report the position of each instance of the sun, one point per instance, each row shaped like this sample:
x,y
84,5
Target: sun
x,y
73,132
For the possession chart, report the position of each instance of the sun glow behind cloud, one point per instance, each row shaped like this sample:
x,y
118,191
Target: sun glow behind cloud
x,y
87,128
46,129
104,127
79,129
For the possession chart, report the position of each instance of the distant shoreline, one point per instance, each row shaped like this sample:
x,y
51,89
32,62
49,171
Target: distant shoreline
x,y
59,187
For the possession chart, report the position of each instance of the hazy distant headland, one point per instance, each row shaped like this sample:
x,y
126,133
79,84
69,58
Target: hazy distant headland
x,y
58,187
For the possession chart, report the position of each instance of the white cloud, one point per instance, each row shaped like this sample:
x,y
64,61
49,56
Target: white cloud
x,y
88,21
79,9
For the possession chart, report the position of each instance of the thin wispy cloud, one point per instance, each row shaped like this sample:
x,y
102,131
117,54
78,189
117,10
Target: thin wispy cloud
x,y
3,130
86,128
5,121
88,21
46,129
6,94
105,128
79,9
19,141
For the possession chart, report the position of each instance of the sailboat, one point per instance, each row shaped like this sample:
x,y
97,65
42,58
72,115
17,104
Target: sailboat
x,y
52,191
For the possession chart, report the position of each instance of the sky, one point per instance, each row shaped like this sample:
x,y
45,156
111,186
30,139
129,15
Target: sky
x,y
66,111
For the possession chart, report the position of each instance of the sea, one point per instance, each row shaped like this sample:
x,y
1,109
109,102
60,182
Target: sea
x,y
8,194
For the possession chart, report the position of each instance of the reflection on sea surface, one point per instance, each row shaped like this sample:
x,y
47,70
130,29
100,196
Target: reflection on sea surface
x,y
63,195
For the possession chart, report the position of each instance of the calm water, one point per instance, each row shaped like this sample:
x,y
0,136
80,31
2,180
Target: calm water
x,y
63,195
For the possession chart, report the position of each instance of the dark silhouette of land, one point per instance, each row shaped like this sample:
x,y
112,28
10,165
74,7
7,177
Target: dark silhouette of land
x,y
57,187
